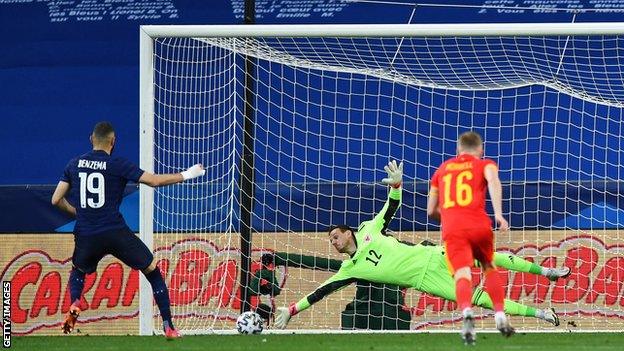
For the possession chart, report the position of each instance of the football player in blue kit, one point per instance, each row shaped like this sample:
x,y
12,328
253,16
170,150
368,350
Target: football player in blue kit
x,y
96,180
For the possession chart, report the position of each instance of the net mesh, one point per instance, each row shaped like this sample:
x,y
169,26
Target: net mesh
x,y
331,112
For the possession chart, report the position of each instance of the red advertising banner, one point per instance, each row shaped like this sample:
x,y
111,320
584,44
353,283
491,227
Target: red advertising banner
x,y
203,274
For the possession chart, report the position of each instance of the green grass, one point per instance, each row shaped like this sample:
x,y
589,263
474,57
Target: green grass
x,y
359,342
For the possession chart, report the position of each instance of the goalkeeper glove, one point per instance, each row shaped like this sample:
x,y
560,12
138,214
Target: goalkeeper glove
x,y
193,172
283,315
395,174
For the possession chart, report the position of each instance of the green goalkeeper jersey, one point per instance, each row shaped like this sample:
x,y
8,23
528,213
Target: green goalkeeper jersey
x,y
378,258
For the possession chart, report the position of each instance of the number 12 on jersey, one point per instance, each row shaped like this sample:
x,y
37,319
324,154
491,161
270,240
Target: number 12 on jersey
x,y
462,194
376,256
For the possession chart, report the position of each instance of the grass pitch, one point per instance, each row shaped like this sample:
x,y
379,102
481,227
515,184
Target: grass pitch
x,y
329,342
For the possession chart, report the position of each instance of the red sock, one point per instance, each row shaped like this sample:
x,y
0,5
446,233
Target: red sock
x,y
494,288
463,292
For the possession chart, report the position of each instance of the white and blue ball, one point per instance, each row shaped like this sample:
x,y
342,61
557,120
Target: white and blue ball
x,y
249,323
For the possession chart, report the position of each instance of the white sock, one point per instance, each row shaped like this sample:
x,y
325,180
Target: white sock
x,y
500,318
539,313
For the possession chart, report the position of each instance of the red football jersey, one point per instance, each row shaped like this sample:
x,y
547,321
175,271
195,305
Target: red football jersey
x,y
461,187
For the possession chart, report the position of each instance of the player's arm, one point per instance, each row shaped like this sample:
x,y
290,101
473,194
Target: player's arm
x,y
335,283
156,180
394,180
496,195
59,200
433,209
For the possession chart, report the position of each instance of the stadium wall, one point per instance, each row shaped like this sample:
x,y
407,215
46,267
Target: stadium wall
x,y
531,205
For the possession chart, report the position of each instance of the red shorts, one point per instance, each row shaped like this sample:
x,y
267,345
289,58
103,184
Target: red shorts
x,y
463,247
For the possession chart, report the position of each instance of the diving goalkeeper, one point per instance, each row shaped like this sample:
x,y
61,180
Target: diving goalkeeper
x,y
378,258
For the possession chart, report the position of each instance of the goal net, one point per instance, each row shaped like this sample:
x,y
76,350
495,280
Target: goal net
x,y
330,107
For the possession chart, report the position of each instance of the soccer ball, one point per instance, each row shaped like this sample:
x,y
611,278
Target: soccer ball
x,y
249,323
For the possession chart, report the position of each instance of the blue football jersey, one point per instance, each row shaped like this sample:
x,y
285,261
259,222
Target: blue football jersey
x,y
97,182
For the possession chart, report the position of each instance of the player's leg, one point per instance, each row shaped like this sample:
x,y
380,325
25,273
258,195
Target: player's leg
x,y
518,264
460,259
438,282
460,262
161,296
133,252
481,298
88,252
483,248
493,286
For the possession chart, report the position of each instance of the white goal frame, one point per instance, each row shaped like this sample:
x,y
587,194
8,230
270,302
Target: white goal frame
x,y
149,32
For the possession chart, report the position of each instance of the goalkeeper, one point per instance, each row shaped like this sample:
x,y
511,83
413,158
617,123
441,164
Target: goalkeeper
x,y
378,258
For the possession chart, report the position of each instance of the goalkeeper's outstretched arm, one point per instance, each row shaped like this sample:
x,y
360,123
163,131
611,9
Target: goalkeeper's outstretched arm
x,y
394,180
335,283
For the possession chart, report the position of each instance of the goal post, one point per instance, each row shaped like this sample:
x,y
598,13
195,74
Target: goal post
x,y
334,103
146,162
383,30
